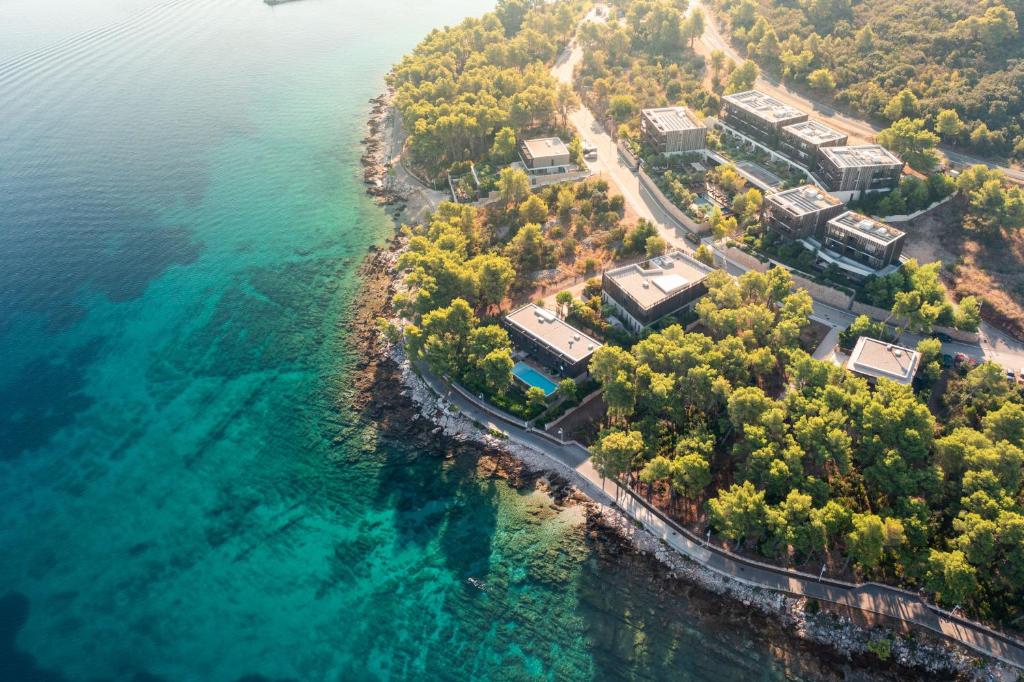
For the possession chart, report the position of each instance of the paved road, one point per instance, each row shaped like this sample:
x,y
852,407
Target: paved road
x,y
609,165
870,597
857,129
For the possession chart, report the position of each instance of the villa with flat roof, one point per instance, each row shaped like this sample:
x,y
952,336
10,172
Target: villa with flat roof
x,y
861,168
550,340
673,130
861,246
800,212
804,141
759,116
643,293
544,155
874,359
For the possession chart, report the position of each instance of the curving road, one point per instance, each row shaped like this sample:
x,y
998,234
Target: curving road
x,y
857,129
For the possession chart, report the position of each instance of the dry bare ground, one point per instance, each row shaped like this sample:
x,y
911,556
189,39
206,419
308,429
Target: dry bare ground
x,y
991,269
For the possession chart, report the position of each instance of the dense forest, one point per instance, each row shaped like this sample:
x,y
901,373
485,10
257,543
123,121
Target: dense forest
x,y
644,60
801,461
954,64
466,92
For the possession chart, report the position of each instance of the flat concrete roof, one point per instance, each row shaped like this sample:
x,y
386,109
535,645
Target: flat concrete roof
x,y
542,147
653,281
763,105
879,359
814,132
803,200
672,119
866,227
554,332
861,155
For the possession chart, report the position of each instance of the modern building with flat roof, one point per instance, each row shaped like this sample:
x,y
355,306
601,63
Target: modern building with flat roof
x,y
550,340
800,212
860,245
673,130
860,168
759,116
804,141
876,359
544,155
644,293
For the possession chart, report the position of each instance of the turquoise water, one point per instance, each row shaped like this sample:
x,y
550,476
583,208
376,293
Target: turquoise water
x,y
531,377
185,490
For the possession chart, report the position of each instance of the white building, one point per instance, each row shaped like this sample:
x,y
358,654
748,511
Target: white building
x,y
876,359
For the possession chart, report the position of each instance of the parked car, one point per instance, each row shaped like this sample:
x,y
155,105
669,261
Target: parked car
x,y
1011,375
944,338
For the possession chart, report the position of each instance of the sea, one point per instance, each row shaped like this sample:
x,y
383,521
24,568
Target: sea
x,y
186,491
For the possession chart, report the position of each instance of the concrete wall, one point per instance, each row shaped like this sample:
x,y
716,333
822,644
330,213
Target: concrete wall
x,y
665,204
825,294
742,258
915,214
629,157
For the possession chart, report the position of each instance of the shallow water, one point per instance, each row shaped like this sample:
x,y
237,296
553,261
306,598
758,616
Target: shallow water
x,y
184,491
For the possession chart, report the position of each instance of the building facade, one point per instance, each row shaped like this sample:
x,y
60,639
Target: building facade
x,y
804,141
673,130
860,245
544,155
549,340
874,359
800,212
759,116
861,168
643,293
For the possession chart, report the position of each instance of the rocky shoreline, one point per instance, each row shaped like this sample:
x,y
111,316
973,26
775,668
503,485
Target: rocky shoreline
x,y
394,397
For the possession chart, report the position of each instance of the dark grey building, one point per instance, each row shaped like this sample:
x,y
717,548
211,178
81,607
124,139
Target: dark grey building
x,y
861,245
803,142
551,341
800,212
861,168
644,293
672,130
759,116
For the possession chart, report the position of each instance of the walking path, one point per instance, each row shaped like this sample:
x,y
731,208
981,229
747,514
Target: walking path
x,y
869,597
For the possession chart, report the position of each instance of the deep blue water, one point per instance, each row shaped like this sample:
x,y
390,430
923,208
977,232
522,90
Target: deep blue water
x,y
185,493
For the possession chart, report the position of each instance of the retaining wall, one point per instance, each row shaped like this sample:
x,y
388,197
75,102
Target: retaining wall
x,y
666,205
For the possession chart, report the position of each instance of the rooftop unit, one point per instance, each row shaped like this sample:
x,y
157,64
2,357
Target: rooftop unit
x,y
670,119
814,132
803,200
869,228
763,105
860,156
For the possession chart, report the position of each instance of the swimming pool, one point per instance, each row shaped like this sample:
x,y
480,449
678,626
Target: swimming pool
x,y
531,377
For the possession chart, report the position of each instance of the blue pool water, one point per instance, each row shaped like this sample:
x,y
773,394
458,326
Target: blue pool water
x,y
531,377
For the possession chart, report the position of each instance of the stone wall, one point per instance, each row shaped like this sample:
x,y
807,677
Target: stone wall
x,y
825,294
666,205
741,258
